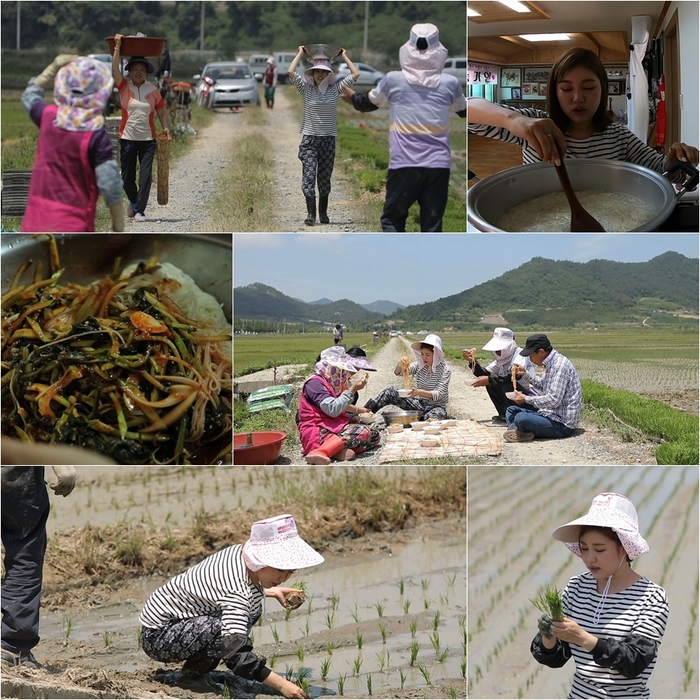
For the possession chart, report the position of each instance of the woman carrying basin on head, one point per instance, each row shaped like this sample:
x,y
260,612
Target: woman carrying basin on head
x,y
614,618
576,121
206,614
432,375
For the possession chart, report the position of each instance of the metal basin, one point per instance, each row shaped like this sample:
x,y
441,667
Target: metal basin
x,y
404,418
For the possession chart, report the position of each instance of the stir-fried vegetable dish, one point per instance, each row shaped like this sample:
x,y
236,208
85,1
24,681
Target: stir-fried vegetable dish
x,y
116,366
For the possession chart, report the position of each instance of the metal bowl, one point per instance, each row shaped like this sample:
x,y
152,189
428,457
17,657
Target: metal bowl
x,y
330,51
89,256
404,418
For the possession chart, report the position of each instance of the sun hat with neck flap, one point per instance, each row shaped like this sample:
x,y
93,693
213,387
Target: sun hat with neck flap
x,y
611,510
275,542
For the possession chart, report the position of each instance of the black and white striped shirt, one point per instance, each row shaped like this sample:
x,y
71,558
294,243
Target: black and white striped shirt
x,y
616,142
320,111
220,582
641,609
438,381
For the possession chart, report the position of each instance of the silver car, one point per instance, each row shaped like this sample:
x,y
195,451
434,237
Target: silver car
x,y
368,75
235,86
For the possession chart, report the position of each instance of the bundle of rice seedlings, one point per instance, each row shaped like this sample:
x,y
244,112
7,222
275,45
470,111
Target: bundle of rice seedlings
x,y
163,169
550,603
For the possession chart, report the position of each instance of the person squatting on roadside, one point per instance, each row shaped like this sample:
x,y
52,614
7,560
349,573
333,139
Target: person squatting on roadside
x,y
496,376
270,82
25,510
614,618
421,98
137,131
556,411
206,614
432,374
73,164
327,417
319,127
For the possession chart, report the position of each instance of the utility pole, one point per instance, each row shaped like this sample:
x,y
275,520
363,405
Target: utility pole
x,y
364,42
201,28
18,25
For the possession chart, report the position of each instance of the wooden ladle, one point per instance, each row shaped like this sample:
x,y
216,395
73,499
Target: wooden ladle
x,y
581,220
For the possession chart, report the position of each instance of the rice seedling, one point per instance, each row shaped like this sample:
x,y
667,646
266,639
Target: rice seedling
x,y
335,600
406,606
463,668
414,653
444,600
299,651
381,661
358,637
426,603
401,587
402,677
451,580
130,551
252,637
325,666
226,692
425,673
425,583
67,626
442,655
382,631
478,673
250,479
272,661
107,638
329,649
275,635
287,615
301,585
288,672
357,665
551,603
435,641
413,626
380,608
436,620
307,628
139,632
354,614
369,684
341,684
330,620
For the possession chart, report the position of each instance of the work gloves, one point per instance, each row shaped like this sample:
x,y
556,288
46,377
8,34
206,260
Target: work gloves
x,y
545,626
65,480
45,80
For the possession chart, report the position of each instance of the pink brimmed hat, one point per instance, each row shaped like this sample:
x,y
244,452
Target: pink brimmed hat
x,y
276,543
611,510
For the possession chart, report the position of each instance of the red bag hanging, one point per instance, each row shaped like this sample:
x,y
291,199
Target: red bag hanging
x,y
661,114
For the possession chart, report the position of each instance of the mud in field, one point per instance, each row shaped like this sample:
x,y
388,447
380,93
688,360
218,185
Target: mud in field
x,y
90,645
511,514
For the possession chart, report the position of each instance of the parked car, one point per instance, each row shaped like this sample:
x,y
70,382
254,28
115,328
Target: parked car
x,y
368,75
235,86
458,68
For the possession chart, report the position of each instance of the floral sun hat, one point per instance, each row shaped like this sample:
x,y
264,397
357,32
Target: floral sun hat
x,y
422,66
611,510
81,90
275,542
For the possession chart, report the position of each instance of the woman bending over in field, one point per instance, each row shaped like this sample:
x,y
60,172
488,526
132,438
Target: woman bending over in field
x,y
614,618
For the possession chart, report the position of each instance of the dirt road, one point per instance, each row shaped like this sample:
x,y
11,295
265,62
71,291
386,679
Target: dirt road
x,y
590,445
193,178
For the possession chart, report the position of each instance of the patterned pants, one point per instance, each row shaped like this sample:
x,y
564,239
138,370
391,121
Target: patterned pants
x,y
390,397
356,435
196,640
317,156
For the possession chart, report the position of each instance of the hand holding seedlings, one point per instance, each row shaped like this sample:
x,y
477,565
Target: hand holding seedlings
x,y
550,603
544,624
290,598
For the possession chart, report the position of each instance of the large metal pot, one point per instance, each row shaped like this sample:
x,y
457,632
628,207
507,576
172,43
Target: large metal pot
x,y
493,196
404,418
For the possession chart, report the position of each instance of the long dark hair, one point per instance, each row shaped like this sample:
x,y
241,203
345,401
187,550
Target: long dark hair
x,y
571,58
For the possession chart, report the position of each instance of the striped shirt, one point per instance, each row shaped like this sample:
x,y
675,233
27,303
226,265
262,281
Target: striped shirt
x,y
419,119
560,391
437,382
616,142
320,111
220,582
641,609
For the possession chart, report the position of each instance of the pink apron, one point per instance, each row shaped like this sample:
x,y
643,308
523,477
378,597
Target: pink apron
x,y
311,419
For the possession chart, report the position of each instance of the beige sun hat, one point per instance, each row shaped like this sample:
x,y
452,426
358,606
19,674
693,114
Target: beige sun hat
x,y
611,510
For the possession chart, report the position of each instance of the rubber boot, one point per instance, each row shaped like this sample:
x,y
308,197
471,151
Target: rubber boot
x,y
310,219
323,209
323,454
344,455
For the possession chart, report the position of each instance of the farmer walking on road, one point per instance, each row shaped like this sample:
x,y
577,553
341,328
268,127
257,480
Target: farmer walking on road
x,y
270,82
319,127
421,97
25,510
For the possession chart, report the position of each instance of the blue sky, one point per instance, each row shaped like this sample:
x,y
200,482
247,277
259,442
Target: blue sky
x,y
415,268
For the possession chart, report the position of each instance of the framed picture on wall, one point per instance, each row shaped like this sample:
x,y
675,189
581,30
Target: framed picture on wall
x,y
536,75
534,89
510,77
543,89
614,87
526,88
515,94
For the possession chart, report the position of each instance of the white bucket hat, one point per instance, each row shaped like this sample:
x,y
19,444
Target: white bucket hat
x,y
436,342
611,510
276,543
502,338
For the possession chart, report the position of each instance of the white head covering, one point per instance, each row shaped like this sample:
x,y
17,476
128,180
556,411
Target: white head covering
x,y
423,66
321,62
438,354
503,340
276,543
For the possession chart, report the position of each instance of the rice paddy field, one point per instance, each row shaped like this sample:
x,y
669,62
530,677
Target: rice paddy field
x,y
512,558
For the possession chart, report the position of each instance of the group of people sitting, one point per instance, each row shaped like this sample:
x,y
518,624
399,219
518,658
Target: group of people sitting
x,y
330,421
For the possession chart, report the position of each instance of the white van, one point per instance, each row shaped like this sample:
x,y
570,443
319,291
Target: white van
x,y
283,59
458,68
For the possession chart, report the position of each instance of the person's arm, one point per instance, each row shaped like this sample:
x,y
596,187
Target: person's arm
x,y
16,452
34,92
164,119
553,653
540,133
116,60
558,385
291,71
354,73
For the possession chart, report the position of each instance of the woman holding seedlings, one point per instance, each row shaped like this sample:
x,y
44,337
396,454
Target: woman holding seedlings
x,y
614,618
327,415
432,375
319,128
206,614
